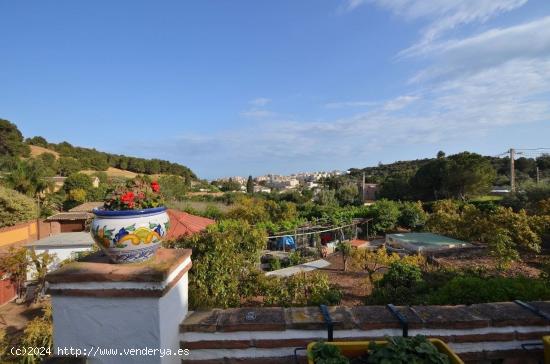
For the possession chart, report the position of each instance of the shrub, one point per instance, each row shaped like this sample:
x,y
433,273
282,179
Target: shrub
x,y
16,207
301,290
373,262
224,256
398,285
346,250
295,258
78,181
274,263
478,289
412,215
38,334
385,214
401,274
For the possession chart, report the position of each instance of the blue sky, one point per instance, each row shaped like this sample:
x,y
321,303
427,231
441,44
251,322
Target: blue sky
x,y
253,87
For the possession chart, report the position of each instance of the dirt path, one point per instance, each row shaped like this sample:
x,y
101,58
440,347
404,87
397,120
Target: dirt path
x,y
354,285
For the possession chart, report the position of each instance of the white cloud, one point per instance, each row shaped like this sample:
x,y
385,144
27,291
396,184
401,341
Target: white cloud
x,y
471,87
456,109
347,104
488,49
260,101
350,5
257,113
399,102
442,16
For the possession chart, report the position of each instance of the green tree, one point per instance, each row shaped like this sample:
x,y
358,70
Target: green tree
x,y
397,186
326,198
347,193
224,256
38,141
468,174
173,187
27,178
385,214
15,265
78,181
40,263
77,195
16,207
230,185
345,249
428,183
68,166
11,140
412,215
249,185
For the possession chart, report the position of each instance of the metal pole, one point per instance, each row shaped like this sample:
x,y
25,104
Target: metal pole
x,y
512,170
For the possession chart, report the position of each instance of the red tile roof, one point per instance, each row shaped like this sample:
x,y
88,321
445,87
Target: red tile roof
x,y
182,223
358,243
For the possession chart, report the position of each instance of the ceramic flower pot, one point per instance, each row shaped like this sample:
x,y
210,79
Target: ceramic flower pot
x,y
130,236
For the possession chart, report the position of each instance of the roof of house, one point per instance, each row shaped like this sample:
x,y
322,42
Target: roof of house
x,y
86,206
64,216
182,223
64,240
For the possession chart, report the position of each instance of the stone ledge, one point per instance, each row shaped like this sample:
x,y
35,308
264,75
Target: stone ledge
x,y
96,268
153,278
479,316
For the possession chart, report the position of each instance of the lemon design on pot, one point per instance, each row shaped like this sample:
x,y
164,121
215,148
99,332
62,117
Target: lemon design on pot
x,y
130,236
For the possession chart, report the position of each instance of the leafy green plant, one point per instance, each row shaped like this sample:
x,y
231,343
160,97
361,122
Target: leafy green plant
x,y
323,353
16,207
345,249
38,334
296,258
406,350
401,274
274,263
302,289
478,289
224,255
397,350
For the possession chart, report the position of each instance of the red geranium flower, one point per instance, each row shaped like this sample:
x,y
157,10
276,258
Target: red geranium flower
x,y
127,198
155,186
141,195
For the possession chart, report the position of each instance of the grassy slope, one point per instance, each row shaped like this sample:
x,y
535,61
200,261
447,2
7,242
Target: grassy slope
x,y
111,171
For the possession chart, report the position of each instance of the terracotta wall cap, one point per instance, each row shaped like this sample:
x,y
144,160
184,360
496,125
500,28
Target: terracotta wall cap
x,y
97,268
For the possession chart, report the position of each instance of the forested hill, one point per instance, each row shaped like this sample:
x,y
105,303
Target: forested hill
x,y
525,167
72,158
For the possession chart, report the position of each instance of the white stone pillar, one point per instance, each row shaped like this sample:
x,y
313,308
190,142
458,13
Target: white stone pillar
x,y
133,310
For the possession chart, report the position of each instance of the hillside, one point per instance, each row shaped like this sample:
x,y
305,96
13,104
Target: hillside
x,y
90,160
111,171
36,151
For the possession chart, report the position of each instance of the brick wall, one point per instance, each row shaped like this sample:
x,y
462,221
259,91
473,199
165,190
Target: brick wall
x,y
477,333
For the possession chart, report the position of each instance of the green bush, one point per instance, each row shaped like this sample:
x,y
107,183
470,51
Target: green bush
x,y
296,258
274,264
302,289
472,289
412,215
224,256
16,207
401,274
399,285
385,214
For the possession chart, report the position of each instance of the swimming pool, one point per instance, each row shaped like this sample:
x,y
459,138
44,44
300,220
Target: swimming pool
x,y
423,242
